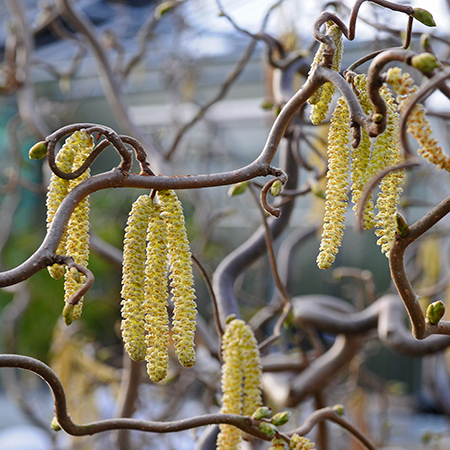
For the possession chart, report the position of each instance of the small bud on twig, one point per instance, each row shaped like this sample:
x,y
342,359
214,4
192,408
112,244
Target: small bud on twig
x,y
281,418
424,16
267,105
318,191
377,117
338,409
435,312
262,413
276,187
267,428
425,62
68,314
163,8
55,426
237,188
38,151
402,226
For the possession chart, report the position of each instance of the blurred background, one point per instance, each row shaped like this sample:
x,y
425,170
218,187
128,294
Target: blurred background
x,y
162,74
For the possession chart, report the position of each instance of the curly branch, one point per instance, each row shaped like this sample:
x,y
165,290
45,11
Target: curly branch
x,y
246,424
420,327
331,414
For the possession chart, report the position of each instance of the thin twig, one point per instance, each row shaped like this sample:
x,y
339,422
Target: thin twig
x,y
331,414
246,424
207,280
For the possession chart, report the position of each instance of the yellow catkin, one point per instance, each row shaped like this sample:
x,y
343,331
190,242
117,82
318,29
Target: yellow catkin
x,y
300,443
57,191
418,125
321,99
361,158
241,379
278,444
391,185
252,372
156,295
337,185
182,279
77,242
133,272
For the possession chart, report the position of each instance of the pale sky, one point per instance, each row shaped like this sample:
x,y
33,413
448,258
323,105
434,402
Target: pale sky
x,y
248,14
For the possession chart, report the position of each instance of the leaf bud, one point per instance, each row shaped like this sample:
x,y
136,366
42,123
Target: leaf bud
x,y
377,117
276,187
262,413
281,418
237,188
267,428
338,409
267,104
38,151
55,426
435,312
163,8
425,62
230,318
424,16
425,39
318,191
68,314
402,225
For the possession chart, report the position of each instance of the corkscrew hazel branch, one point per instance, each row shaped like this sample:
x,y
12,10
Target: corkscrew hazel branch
x,y
373,125
373,183
264,191
141,155
333,414
349,32
88,282
284,294
111,137
366,58
246,424
420,328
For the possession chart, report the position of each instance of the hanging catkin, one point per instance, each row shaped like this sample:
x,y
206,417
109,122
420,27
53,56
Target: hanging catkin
x,y
182,279
133,272
241,379
77,242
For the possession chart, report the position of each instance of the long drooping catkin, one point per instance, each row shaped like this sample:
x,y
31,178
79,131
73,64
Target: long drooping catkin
x,y
77,242
241,379
182,279
391,184
156,295
337,185
133,273
59,188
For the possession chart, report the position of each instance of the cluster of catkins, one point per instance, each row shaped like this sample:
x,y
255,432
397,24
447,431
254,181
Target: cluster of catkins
x,y
156,237
75,240
370,158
